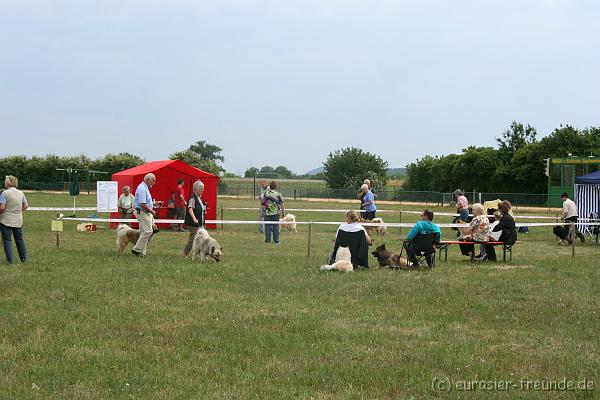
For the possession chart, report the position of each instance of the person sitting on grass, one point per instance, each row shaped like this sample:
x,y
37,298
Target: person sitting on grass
x,y
423,227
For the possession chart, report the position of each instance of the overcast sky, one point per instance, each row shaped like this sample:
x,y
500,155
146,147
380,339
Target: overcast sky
x,y
287,82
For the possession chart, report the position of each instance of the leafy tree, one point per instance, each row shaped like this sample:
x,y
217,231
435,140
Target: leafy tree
x,y
267,169
249,173
348,167
284,172
207,151
112,163
514,138
420,174
192,158
476,169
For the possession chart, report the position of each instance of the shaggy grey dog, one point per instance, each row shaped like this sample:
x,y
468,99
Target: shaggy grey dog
x,y
206,246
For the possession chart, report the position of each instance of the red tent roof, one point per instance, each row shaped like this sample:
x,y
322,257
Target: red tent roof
x,y
154,166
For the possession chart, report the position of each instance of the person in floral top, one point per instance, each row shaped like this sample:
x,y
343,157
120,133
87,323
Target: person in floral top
x,y
478,231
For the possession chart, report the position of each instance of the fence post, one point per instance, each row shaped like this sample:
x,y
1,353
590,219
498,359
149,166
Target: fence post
x,y
572,235
400,228
222,225
309,238
294,193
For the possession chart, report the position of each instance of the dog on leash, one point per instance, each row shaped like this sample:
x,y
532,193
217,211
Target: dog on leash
x,y
342,261
386,258
126,235
562,235
205,246
289,222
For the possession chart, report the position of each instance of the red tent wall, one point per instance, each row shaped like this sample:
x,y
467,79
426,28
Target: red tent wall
x,y
167,173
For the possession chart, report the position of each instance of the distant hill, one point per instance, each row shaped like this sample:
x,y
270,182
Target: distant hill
x,y
390,171
397,171
315,171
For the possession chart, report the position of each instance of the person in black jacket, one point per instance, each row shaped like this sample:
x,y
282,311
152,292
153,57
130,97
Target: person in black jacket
x,y
194,216
506,224
354,236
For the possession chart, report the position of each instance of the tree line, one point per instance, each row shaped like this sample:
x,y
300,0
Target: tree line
x,y
516,166
45,169
50,168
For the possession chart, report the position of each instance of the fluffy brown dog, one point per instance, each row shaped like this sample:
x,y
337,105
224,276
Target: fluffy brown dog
x,y
386,258
126,235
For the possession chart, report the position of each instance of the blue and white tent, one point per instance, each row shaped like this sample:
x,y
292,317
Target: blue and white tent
x,y
587,197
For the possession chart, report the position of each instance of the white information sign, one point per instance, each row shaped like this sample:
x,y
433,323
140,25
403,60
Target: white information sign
x,y
107,196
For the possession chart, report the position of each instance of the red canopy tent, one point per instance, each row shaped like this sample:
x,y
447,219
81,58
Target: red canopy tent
x,y
167,173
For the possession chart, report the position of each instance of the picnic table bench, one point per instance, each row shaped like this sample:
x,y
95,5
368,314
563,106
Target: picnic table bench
x,y
445,244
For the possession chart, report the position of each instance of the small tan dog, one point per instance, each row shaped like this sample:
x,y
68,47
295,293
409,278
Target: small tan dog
x,y
289,222
381,229
126,235
342,261
206,246
465,233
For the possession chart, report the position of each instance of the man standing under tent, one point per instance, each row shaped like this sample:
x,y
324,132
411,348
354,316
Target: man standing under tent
x,y
179,204
145,213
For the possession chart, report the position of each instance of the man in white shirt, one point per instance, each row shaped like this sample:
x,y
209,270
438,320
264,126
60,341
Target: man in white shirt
x,y
144,208
570,213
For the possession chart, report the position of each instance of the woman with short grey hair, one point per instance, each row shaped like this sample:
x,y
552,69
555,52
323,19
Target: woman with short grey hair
x,y
125,203
194,216
12,205
478,231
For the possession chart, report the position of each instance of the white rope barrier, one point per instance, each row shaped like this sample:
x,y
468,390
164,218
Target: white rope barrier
x,y
241,222
308,210
381,211
62,209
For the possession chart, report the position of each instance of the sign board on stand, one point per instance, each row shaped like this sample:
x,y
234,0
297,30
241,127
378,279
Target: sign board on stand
x,y
107,196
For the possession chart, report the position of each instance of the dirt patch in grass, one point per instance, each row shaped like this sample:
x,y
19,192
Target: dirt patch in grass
x,y
505,267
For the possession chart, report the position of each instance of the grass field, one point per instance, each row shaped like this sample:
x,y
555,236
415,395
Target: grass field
x,y
80,322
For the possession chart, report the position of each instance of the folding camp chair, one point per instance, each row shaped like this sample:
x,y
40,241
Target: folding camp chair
x,y
594,229
423,247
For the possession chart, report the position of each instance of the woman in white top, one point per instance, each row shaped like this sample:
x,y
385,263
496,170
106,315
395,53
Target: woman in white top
x,y
354,236
126,203
12,205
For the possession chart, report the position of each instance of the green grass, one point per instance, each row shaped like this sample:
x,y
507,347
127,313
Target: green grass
x,y
80,322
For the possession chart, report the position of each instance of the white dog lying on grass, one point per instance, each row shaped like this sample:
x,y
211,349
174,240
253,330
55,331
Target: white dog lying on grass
x,y
342,261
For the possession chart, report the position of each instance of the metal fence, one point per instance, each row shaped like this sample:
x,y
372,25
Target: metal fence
x,y
57,186
300,193
405,196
